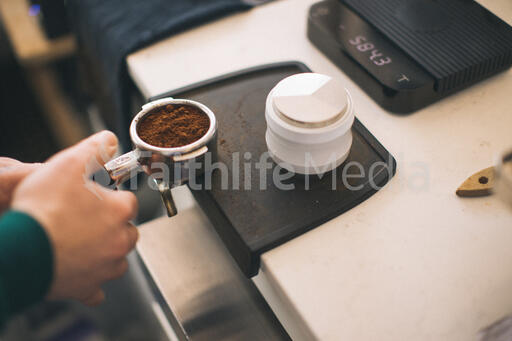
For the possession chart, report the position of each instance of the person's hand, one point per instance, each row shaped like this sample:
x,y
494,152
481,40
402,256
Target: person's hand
x,y
88,225
11,173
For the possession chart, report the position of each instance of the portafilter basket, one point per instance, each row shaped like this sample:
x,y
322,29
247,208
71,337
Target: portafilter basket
x,y
169,167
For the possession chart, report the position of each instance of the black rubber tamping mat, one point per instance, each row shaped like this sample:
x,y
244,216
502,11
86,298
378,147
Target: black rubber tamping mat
x,y
252,221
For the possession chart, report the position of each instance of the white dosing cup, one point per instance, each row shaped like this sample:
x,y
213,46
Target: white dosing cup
x,y
309,119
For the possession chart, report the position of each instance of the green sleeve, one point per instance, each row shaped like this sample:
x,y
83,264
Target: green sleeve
x,y
26,263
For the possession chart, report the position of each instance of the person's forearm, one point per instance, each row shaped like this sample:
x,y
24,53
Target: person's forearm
x,y
26,263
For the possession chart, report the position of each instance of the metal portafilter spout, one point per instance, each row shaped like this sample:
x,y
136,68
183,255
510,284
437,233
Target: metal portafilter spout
x,y
165,192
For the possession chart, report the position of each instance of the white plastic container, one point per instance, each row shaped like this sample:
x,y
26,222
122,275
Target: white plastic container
x,y
309,119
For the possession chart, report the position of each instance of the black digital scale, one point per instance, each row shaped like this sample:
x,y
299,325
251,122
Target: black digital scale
x,y
407,54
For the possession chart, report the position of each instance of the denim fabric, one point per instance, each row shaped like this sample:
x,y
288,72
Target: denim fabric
x,y
109,30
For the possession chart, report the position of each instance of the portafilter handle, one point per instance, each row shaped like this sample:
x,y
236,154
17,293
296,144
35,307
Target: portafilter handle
x,y
123,167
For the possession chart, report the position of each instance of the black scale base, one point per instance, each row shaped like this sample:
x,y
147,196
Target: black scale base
x,y
253,221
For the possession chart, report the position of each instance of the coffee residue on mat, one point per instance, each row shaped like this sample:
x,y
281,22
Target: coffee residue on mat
x,y
173,126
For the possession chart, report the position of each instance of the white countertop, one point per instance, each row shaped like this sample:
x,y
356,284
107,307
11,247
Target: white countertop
x,y
414,262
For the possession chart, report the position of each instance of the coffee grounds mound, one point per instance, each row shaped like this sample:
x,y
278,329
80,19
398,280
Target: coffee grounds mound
x,y
173,126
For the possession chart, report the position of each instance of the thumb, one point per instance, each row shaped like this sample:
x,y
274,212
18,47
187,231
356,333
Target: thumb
x,y
90,154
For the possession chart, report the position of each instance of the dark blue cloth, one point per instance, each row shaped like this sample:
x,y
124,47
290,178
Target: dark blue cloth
x,y
109,30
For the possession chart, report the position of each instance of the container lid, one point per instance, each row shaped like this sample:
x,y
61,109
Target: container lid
x,y
310,100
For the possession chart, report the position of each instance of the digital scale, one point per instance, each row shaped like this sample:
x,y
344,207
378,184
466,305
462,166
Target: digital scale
x,y
407,54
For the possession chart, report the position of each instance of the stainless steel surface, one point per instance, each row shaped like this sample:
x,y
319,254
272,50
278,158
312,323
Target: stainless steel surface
x,y
170,167
205,295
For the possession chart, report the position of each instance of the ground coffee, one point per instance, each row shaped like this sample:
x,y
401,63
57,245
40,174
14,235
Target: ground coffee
x,y
173,126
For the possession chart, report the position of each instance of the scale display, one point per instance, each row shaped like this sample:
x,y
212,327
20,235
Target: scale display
x,y
407,54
